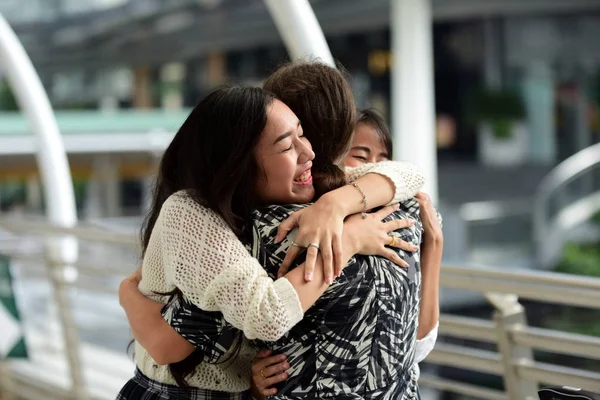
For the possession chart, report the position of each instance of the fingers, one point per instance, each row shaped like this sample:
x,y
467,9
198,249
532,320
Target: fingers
x,y
267,392
338,256
286,226
263,386
422,196
137,275
266,363
385,211
398,224
262,354
403,245
393,257
269,371
288,260
327,256
275,369
309,264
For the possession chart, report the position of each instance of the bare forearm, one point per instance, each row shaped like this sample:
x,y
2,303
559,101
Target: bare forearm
x,y
431,260
378,189
309,292
161,341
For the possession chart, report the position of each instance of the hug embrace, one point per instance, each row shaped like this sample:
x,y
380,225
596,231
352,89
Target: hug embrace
x,y
284,255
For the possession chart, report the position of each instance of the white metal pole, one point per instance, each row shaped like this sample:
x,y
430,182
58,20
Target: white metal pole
x,y
56,179
413,101
300,30
51,156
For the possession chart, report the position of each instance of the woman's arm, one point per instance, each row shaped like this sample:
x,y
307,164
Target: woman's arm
x,y
431,260
364,235
387,182
148,327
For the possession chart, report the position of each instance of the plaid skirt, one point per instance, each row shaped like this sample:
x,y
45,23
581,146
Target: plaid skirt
x,y
140,387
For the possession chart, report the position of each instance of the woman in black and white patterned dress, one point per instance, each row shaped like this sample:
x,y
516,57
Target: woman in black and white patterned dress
x,y
358,341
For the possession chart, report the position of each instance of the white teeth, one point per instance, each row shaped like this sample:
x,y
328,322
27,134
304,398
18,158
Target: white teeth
x,y
304,177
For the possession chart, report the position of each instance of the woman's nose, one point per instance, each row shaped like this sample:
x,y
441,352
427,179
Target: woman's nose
x,y
306,153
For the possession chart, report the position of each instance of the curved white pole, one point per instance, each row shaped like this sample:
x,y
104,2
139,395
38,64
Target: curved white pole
x,y
300,30
51,156
57,184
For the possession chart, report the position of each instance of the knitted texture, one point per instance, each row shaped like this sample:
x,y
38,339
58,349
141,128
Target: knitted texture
x,y
406,177
193,249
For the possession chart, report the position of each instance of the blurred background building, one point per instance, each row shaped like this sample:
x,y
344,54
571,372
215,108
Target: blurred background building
x,y
117,70
517,92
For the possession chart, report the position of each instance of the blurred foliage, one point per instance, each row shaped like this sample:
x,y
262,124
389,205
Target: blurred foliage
x,y
7,99
499,108
580,259
596,218
571,321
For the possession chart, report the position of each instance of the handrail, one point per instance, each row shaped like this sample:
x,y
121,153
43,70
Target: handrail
x,y
550,249
508,331
470,328
545,339
465,389
564,173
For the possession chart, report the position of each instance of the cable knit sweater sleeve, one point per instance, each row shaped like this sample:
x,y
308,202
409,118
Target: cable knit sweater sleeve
x,y
406,177
207,262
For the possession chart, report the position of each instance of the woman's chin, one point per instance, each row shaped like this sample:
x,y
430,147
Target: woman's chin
x,y
303,194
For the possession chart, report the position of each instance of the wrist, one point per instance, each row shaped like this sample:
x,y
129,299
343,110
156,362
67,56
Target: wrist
x,y
433,239
350,245
334,203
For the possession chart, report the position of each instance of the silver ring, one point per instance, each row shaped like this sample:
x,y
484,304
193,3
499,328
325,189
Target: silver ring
x,y
316,246
297,245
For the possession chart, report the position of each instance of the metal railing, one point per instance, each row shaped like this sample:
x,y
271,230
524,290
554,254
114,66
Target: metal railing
x,y
507,330
570,215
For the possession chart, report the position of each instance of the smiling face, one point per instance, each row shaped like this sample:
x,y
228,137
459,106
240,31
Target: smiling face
x,y
367,147
284,157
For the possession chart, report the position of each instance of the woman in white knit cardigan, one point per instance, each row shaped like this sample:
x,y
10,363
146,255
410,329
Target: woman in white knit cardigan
x,y
203,197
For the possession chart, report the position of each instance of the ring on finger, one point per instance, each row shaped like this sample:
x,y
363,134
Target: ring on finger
x,y
316,246
262,373
393,242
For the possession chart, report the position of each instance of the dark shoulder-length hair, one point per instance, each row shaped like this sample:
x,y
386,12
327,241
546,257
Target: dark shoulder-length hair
x,y
374,119
322,99
212,158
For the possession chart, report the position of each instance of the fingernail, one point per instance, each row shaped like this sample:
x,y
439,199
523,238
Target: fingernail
x,y
286,366
277,239
279,274
411,222
308,277
415,248
283,357
397,206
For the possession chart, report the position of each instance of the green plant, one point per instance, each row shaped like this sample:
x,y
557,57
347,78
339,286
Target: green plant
x,y
498,108
596,218
580,259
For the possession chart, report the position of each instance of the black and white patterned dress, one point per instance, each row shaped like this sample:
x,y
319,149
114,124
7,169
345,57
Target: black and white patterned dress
x,y
358,340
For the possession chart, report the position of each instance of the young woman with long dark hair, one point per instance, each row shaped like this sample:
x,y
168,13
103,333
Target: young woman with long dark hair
x,y
317,114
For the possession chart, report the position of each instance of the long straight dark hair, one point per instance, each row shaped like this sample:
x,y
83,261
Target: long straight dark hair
x,y
212,158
